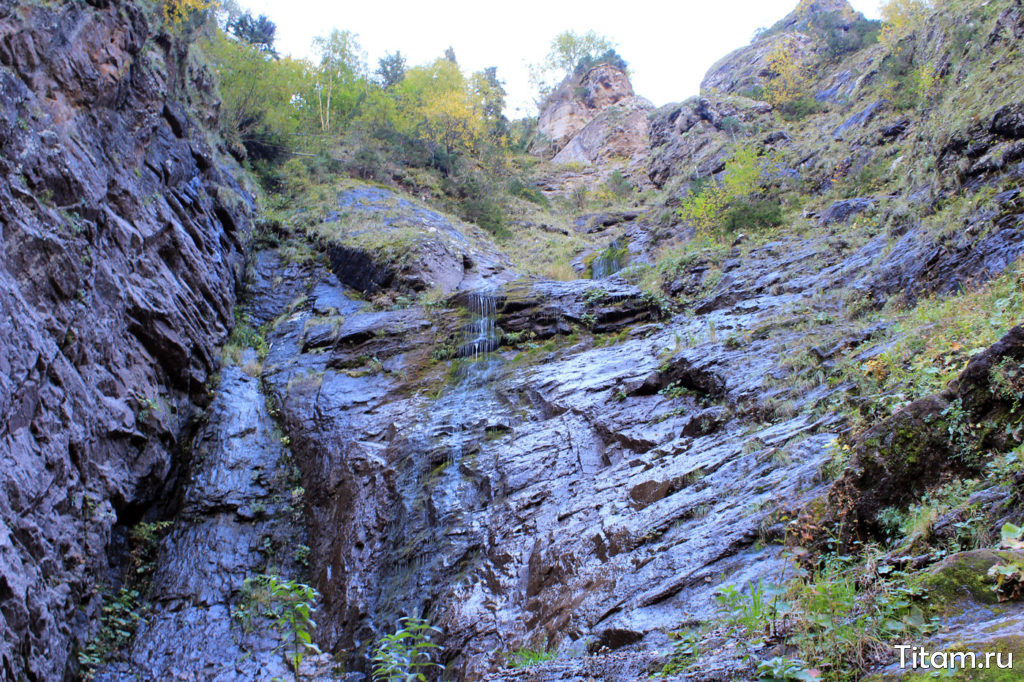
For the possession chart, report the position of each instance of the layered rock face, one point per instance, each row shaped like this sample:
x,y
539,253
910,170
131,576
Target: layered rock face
x,y
121,251
750,66
593,118
567,466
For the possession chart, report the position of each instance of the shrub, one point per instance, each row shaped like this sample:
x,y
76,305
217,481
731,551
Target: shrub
x,y
900,18
121,617
618,186
177,11
798,108
609,56
290,605
706,206
752,214
407,654
518,188
478,202
487,213
367,164
732,125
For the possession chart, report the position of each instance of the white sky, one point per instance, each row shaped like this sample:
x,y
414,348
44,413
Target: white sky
x,y
668,45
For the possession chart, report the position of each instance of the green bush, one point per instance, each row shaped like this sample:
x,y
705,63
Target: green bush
x,y
290,604
487,213
618,186
799,108
610,57
732,125
752,214
407,654
518,188
121,616
478,201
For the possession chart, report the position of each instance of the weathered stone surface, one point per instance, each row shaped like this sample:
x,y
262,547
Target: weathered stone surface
x,y
545,309
620,131
897,459
842,211
233,510
555,501
748,67
576,102
1009,121
696,136
400,245
121,250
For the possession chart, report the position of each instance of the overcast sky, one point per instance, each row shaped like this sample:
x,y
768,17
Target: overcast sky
x,y
668,45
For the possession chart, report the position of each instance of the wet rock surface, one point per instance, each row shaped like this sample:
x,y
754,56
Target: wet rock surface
x,y
579,497
568,466
121,251
234,521
563,500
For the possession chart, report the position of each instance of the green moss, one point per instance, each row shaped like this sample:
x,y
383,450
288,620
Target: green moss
x,y
1012,645
964,575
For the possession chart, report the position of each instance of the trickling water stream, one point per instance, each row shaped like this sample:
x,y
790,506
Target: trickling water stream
x,y
610,261
440,490
480,336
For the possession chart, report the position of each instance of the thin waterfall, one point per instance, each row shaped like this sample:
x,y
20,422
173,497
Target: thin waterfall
x,y
481,335
609,261
436,492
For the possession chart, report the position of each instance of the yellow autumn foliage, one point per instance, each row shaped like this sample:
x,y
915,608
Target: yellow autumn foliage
x,y
177,11
788,79
900,18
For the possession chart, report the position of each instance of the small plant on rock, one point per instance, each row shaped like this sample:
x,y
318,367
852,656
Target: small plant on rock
x,y
782,669
121,617
291,606
1009,576
526,658
407,654
685,653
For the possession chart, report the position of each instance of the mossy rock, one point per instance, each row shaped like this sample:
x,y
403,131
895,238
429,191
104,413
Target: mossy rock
x,y
1010,645
965,575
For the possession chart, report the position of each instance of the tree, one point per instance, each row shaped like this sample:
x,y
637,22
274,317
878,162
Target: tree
x,y
262,96
451,121
900,18
259,32
436,105
788,78
337,76
176,12
569,53
568,49
491,93
391,69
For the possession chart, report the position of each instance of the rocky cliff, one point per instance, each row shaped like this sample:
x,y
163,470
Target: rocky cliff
x,y
122,246
594,475
593,118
